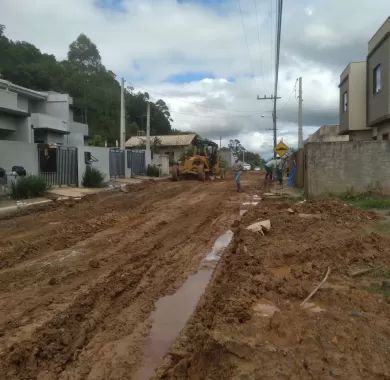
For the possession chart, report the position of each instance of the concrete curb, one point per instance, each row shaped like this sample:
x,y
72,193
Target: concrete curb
x,y
21,206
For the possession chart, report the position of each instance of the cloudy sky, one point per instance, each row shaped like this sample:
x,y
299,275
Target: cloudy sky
x,y
209,59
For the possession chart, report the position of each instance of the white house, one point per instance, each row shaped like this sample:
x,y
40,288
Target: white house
x,y
172,146
38,117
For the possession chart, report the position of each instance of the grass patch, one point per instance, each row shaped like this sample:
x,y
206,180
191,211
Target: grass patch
x,y
28,187
93,177
381,289
367,200
153,171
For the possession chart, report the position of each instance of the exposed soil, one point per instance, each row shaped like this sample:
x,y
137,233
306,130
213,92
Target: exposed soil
x,y
79,281
250,325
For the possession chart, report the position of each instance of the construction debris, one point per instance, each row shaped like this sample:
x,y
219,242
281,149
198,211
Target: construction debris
x,y
261,226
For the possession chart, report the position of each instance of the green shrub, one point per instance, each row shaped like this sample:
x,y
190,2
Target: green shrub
x,y
28,187
153,171
92,177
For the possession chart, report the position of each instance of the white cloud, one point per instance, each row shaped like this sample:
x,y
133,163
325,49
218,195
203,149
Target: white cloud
x,y
154,39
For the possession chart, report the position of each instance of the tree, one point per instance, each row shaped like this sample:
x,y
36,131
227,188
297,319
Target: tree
x,y
84,53
254,159
235,146
94,89
162,107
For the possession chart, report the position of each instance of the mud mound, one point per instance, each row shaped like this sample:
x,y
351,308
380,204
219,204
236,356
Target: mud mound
x,y
250,324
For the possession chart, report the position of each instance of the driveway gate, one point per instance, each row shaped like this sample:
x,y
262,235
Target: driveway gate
x,y
117,163
58,165
136,161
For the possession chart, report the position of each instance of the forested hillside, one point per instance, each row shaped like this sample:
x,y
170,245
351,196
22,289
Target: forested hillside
x,y
95,89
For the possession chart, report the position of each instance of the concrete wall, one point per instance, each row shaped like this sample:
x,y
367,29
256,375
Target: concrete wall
x,y
19,153
336,167
101,154
162,161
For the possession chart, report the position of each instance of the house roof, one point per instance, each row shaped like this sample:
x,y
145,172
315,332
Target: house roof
x,y
23,90
164,140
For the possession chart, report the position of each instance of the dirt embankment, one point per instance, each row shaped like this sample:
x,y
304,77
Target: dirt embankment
x,y
250,325
79,280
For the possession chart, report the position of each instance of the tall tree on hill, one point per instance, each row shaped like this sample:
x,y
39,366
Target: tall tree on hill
x,y
95,90
85,54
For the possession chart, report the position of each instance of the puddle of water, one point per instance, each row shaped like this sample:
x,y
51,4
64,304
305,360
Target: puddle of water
x,y
250,203
172,312
220,244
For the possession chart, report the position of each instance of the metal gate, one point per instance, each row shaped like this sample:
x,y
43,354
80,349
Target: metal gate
x,y
117,163
58,165
136,161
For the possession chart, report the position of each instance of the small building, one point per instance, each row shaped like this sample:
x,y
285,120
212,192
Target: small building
x,y
353,118
38,117
378,83
172,146
365,91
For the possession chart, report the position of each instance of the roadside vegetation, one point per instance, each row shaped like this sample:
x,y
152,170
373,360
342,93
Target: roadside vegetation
x,y
28,187
153,171
94,88
368,200
93,177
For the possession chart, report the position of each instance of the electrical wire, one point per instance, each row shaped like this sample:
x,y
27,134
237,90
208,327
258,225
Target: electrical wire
x,y
259,43
246,39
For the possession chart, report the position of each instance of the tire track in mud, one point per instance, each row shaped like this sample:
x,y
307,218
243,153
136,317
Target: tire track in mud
x,y
76,327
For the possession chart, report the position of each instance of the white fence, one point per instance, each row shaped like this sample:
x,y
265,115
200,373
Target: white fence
x,y
17,153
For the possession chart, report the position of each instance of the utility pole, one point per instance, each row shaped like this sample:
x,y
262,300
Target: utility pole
x,y
277,56
148,155
220,142
122,122
274,99
300,121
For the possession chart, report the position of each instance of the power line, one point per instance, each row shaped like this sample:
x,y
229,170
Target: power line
x,y
246,38
259,42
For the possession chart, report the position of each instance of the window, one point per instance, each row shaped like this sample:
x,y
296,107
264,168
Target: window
x,y
385,136
377,79
345,101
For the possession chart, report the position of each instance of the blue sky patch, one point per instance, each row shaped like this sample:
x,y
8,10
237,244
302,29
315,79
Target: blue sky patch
x,y
114,5
189,77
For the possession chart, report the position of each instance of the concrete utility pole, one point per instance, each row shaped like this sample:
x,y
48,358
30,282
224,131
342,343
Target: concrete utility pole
x,y
300,122
122,124
274,99
148,154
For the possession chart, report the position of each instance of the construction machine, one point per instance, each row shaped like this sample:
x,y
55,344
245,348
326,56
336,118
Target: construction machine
x,y
203,162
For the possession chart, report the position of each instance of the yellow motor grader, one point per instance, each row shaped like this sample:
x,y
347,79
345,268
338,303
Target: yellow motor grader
x,y
204,163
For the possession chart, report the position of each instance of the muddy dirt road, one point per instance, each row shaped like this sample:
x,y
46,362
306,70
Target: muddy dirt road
x,y
78,280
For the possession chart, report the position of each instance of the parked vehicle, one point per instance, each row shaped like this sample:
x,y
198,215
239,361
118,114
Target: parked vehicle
x,y
246,166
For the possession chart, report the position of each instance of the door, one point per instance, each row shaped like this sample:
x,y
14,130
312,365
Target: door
x,y
58,165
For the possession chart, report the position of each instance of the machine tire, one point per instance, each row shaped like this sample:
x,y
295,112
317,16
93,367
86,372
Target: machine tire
x,y
175,173
201,173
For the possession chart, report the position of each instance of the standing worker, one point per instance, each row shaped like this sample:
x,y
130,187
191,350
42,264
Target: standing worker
x,y
237,169
270,166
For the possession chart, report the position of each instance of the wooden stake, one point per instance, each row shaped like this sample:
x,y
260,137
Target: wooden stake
x,y
316,288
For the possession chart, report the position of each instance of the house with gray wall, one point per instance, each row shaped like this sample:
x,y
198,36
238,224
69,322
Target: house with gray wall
x,y
38,117
378,83
365,91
